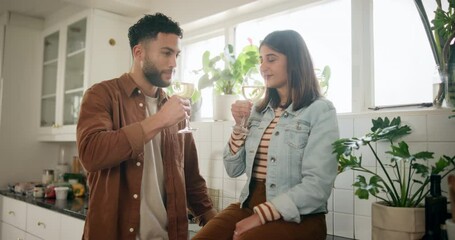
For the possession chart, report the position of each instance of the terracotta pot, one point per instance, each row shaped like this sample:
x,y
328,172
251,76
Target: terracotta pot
x,y
396,222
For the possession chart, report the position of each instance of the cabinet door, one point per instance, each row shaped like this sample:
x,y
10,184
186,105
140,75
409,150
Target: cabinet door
x,y
13,212
93,46
71,228
29,236
10,232
43,223
49,82
76,35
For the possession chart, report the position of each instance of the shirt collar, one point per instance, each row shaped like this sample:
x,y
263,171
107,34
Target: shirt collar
x,y
128,84
130,87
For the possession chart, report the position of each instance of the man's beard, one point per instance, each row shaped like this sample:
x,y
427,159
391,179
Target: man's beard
x,y
153,75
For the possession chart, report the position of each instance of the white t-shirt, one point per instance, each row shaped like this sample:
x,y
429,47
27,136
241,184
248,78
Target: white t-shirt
x,y
153,215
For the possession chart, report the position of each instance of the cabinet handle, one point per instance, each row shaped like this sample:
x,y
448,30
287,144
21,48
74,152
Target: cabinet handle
x,y
42,224
12,213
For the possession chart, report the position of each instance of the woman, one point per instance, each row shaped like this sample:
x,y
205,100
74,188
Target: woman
x,y
286,155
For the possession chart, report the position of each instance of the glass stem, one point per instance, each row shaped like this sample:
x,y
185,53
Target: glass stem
x,y
242,122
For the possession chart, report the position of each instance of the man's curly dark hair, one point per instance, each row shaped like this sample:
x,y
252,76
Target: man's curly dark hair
x,y
149,26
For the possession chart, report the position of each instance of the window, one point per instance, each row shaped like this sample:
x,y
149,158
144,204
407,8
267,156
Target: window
x,y
192,60
378,51
404,66
326,29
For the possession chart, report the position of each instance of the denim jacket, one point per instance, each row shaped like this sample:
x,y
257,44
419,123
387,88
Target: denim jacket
x,y
301,167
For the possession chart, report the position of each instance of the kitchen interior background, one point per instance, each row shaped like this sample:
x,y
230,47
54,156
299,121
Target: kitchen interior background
x,y
22,156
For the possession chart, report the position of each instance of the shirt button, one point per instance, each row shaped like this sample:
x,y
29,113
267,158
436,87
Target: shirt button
x,y
277,133
135,196
141,104
131,229
285,114
273,159
272,185
138,164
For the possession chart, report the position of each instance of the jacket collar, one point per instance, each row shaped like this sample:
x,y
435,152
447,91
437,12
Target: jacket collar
x,y
288,109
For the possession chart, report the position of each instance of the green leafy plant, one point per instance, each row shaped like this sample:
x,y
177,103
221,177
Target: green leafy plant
x,y
440,36
323,78
404,178
225,71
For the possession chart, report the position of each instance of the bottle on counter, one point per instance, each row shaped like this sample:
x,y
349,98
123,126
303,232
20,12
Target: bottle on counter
x,y
435,211
48,176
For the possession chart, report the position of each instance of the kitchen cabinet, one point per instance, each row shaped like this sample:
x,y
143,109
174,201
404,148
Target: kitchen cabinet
x,y
20,220
10,232
87,48
71,228
12,218
43,223
13,212
29,236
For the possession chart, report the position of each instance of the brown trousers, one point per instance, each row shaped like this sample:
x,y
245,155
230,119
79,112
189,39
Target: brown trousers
x,y
221,227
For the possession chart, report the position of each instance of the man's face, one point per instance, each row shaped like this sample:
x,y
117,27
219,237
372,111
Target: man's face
x,y
160,58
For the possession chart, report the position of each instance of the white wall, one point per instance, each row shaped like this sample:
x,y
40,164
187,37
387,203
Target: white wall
x,y
22,157
348,216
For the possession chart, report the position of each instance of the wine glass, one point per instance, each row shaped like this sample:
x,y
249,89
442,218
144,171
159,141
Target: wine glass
x,y
184,89
253,88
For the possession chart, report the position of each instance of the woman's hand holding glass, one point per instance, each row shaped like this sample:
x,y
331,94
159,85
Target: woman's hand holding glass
x,y
253,89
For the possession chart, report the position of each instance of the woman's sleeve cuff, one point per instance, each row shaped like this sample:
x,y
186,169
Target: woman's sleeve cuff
x,y
267,212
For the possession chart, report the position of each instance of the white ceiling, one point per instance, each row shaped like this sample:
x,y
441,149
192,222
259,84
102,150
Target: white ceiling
x,y
34,8
44,8
183,11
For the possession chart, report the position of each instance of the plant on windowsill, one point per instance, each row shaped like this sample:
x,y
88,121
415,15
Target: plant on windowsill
x,y
225,72
400,182
441,37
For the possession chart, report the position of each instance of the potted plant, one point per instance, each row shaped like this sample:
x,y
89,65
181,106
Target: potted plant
x,y
401,182
441,37
225,72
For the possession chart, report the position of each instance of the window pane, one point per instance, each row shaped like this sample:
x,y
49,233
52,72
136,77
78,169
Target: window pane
x,y
326,29
403,62
192,60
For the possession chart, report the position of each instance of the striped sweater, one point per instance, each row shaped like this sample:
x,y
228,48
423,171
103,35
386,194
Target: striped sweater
x,y
266,211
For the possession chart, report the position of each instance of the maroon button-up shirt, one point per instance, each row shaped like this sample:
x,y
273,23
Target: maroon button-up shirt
x,y
110,142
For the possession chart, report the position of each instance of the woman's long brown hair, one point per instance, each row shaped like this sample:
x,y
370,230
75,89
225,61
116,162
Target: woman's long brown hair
x,y
303,84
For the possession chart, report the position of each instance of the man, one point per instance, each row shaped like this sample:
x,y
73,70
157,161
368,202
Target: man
x,y
141,172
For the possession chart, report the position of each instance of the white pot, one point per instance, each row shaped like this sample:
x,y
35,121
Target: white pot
x,y
222,107
397,223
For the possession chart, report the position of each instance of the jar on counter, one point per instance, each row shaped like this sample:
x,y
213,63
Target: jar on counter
x,y
38,191
48,176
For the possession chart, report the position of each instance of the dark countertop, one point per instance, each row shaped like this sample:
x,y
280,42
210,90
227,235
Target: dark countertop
x,y
76,207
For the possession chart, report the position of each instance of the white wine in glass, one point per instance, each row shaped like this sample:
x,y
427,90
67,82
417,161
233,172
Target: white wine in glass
x,y
184,90
253,89
253,93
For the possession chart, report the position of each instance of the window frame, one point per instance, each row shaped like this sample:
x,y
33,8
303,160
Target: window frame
x,y
363,93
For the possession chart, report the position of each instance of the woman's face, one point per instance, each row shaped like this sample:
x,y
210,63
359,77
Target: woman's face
x,y
273,68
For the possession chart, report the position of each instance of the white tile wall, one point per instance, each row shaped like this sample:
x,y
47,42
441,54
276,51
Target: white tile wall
x,y
348,216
